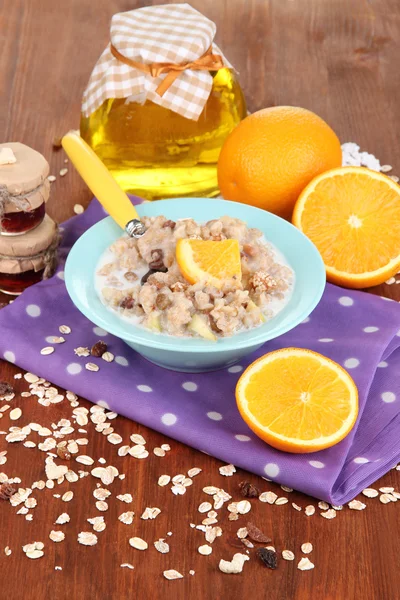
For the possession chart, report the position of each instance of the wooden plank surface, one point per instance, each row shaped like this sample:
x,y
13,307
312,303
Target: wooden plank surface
x,y
336,58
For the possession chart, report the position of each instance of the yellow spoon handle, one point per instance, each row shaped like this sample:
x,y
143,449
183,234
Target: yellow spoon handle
x,y
99,179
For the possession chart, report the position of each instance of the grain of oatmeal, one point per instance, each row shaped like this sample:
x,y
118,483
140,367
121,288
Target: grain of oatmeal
x,y
205,550
92,367
108,356
281,501
385,498
47,350
150,513
114,438
269,497
64,329
307,548
127,517
296,506
288,555
125,498
127,566
164,480
309,510
172,574
159,452
204,507
84,459
235,565
194,471
242,533
62,519
15,414
329,514
166,447
305,564
78,209
7,551
138,543
87,538
356,505
386,490
136,438
57,536
67,497
101,505
123,450
323,505
227,470
161,546
370,493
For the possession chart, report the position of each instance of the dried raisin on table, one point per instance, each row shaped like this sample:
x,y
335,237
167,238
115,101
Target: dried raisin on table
x,y
248,490
5,389
98,349
256,534
6,491
268,557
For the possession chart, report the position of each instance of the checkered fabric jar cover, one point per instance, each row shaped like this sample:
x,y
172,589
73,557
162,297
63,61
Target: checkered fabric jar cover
x,y
174,34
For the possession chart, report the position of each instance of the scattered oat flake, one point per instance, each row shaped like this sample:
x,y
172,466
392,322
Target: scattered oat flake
x,y
47,350
67,497
164,480
78,209
15,414
323,505
243,507
305,564
62,519
92,367
296,506
386,168
101,505
35,554
178,489
150,513
356,505
159,452
204,507
329,514
136,438
127,517
57,536
281,501
191,572
161,546
242,533
114,438
268,497
125,498
210,490
194,471
370,493
127,566
31,378
138,543
83,459
235,565
286,489
108,357
87,538
64,329
172,574
63,172
166,447
306,548
227,470
386,490
287,555
7,551
385,498
205,550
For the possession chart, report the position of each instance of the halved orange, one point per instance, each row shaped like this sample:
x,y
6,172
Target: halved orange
x,y
209,261
297,400
352,215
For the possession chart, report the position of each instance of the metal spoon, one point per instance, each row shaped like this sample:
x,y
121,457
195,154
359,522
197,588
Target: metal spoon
x,y
103,185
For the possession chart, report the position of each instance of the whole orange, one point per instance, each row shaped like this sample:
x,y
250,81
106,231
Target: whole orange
x,y
269,158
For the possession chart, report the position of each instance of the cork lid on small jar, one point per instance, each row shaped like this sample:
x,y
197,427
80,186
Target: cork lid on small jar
x,y
23,178
34,250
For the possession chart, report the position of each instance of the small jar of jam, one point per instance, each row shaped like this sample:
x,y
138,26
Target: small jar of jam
x,y
29,258
24,189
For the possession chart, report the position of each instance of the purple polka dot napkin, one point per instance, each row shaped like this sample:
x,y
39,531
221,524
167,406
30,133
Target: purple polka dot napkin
x,y
358,330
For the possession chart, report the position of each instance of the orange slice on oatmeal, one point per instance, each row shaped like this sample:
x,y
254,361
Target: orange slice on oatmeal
x,y
212,262
297,400
352,215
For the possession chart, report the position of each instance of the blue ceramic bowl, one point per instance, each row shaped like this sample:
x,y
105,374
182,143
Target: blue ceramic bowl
x,y
197,355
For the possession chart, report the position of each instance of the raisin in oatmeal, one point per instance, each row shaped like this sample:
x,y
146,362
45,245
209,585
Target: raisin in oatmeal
x,y
141,280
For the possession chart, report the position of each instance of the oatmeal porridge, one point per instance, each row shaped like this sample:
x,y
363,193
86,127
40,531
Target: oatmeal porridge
x,y
141,280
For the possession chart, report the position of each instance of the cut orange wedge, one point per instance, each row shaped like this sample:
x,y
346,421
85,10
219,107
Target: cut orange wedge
x,y
297,400
352,215
212,262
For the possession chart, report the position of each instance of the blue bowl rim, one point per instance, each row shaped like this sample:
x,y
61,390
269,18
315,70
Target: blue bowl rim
x,y
254,337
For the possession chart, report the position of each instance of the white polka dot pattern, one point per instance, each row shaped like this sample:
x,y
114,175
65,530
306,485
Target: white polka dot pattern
x,y
388,397
235,369
214,416
33,310
99,331
351,363
169,419
370,329
74,368
346,301
317,464
242,438
121,360
271,470
189,386
144,388
10,356
360,460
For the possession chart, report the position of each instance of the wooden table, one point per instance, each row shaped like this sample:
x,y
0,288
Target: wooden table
x,y
339,59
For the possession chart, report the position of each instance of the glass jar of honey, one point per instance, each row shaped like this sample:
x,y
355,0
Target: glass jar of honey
x,y
27,259
24,189
164,105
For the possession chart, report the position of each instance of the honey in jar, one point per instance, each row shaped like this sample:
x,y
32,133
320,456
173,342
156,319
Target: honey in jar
x,y
157,109
24,189
27,259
